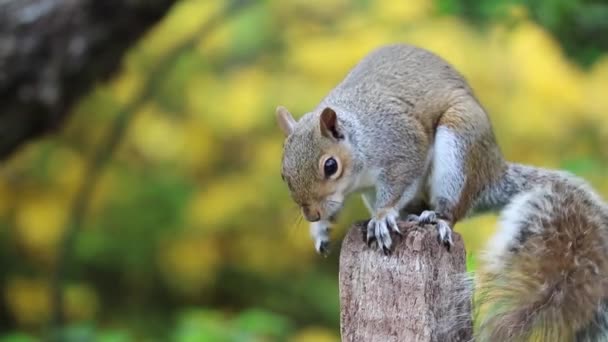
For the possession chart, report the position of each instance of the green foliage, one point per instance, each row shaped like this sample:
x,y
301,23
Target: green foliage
x,y
577,24
471,262
251,325
247,44
17,337
201,325
257,322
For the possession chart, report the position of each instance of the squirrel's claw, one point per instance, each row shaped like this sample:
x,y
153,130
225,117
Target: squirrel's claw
x,y
319,232
444,231
412,218
379,230
392,222
445,234
368,235
323,247
370,240
427,217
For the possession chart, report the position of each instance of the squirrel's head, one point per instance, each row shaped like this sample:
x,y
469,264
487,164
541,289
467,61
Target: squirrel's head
x,y
317,162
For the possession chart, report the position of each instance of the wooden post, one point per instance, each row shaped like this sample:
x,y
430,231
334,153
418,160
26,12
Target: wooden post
x,y
415,294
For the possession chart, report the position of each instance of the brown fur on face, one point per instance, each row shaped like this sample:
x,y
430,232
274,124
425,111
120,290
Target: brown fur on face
x,y
302,169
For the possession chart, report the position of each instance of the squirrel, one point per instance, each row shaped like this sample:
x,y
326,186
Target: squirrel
x,y
405,130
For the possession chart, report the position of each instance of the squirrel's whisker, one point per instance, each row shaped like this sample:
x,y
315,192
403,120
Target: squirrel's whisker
x,y
413,137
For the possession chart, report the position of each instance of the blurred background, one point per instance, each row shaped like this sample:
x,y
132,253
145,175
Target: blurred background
x,y
156,211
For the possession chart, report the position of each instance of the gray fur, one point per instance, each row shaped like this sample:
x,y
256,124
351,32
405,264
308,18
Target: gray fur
x,y
515,179
597,329
397,95
390,108
414,86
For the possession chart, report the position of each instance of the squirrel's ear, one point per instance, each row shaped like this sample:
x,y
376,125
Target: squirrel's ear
x,y
285,120
329,124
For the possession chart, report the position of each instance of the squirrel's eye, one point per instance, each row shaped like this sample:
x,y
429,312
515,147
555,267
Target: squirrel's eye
x,y
330,167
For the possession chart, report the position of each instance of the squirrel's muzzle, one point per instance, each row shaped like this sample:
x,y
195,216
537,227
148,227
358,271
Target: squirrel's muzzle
x,y
311,215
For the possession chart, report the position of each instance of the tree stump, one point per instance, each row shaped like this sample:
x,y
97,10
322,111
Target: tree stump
x,y
418,293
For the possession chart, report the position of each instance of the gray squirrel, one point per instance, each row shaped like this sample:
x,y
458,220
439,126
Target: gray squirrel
x,y
406,131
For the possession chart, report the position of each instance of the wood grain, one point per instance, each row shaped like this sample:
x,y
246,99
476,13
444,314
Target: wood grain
x,y
418,293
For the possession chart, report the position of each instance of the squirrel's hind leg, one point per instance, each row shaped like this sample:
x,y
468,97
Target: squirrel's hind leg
x,y
465,159
446,184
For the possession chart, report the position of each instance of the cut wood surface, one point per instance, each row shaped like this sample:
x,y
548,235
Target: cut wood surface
x,y
415,294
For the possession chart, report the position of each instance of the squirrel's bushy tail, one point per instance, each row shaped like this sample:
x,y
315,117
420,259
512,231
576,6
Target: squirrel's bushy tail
x,y
545,276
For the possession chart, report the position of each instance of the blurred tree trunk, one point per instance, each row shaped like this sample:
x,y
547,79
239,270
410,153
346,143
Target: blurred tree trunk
x,y
53,51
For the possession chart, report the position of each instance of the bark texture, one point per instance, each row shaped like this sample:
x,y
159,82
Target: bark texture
x,y
419,293
53,51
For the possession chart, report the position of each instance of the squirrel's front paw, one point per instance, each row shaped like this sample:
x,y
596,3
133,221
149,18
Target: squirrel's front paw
x,y
319,232
322,247
379,228
444,232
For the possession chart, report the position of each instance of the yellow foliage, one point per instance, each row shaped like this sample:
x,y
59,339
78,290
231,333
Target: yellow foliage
x,y
603,188
268,158
189,263
399,12
240,104
297,92
40,220
547,76
196,103
296,238
259,253
314,8
184,20
328,58
528,117
476,230
596,90
126,86
199,153
231,105
155,135
533,93
221,201
28,300
315,334
217,42
452,39
67,167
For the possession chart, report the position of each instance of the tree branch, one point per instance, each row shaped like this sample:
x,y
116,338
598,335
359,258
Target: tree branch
x,y
53,51
106,149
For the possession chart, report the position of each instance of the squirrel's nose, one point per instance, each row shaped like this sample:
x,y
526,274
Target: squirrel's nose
x,y
311,215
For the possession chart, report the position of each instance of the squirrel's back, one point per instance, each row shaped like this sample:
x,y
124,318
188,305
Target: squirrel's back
x,y
403,116
545,276
396,79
